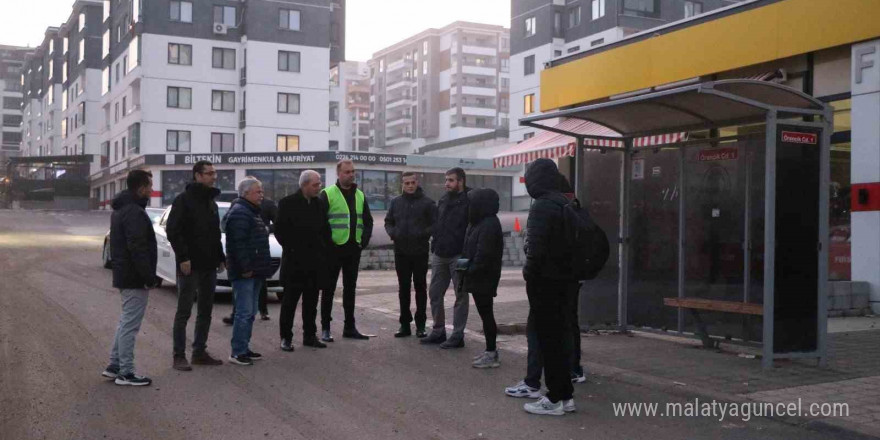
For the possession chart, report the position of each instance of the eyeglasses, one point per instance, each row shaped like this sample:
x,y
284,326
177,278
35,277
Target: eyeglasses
x,y
209,173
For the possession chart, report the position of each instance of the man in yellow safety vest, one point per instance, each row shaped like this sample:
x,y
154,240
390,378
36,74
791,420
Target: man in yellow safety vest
x,y
351,227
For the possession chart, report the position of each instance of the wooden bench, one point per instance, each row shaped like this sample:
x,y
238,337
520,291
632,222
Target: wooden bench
x,y
696,304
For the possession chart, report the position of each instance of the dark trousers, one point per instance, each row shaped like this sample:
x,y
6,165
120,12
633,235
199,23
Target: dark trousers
x,y
572,342
484,303
264,309
348,261
547,302
198,284
412,270
305,285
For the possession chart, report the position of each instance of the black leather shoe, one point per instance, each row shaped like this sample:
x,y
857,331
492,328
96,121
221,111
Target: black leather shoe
x,y
326,336
286,345
228,320
435,338
354,334
420,333
404,331
313,342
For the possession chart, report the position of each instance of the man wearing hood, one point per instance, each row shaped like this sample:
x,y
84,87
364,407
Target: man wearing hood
x,y
483,250
549,277
351,227
448,232
193,228
408,222
133,253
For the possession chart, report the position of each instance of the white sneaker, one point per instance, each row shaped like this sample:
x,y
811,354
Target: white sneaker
x,y
545,407
489,359
568,406
523,390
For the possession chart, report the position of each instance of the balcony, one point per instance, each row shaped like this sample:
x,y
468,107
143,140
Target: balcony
x,y
398,102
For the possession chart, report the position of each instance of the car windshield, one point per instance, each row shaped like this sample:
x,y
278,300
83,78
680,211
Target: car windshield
x,y
221,211
154,213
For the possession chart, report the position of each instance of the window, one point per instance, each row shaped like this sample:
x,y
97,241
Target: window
x,y
641,8
529,104
124,106
82,113
574,16
334,113
82,51
288,61
597,42
598,9
287,143
288,103
180,54
124,147
289,19
82,22
424,67
105,44
692,8
528,136
66,44
334,146
225,15
116,112
181,11
118,74
223,58
574,49
529,65
505,83
557,24
222,101
530,26
505,64
424,48
125,65
64,128
176,140
179,97
222,142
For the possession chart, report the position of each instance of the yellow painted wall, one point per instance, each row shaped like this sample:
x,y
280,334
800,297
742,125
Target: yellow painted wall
x,y
778,30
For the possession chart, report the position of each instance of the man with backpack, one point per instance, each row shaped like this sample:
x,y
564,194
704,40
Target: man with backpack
x,y
558,253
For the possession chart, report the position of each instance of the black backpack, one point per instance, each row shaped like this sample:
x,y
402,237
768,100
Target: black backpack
x,y
588,244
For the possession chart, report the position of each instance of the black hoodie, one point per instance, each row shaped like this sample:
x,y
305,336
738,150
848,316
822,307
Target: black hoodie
x,y
545,239
451,225
409,221
193,228
483,244
132,243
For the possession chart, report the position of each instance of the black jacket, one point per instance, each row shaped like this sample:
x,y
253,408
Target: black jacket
x,y
351,245
193,228
247,241
545,238
484,243
409,221
303,232
269,213
132,243
452,221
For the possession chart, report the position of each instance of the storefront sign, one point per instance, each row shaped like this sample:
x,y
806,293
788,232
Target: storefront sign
x,y
274,158
795,137
638,169
717,154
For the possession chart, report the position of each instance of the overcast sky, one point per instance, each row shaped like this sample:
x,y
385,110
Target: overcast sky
x,y
371,24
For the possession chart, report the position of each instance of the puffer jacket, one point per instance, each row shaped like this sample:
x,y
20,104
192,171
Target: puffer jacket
x,y
483,244
247,242
132,243
408,222
545,238
451,225
193,228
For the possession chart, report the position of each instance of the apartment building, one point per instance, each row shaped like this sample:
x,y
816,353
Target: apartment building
x,y
350,107
443,86
12,61
129,81
543,30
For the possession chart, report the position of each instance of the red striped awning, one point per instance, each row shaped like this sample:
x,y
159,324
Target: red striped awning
x,y
551,145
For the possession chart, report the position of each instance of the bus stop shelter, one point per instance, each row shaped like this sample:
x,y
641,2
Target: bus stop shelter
x,y
782,133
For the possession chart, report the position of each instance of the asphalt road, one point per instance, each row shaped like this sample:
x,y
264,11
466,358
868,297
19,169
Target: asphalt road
x,y
58,314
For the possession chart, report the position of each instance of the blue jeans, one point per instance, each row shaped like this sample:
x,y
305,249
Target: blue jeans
x,y
134,304
246,297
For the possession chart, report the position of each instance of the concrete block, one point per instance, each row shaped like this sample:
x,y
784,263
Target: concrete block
x,y
859,301
842,288
860,287
841,302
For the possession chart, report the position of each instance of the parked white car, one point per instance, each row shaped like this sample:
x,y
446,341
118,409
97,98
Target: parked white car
x,y
167,266
153,213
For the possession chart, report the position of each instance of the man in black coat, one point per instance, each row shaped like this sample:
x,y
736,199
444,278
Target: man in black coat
x,y
193,228
483,250
133,253
408,222
268,212
549,279
448,232
304,234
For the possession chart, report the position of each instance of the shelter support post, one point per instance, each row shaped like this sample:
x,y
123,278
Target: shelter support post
x,y
623,241
769,239
682,224
824,239
747,241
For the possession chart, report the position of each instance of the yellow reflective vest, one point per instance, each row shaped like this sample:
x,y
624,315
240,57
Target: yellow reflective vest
x,y
339,216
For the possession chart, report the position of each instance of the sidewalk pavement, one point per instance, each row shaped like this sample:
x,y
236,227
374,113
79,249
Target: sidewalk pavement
x,y
681,366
